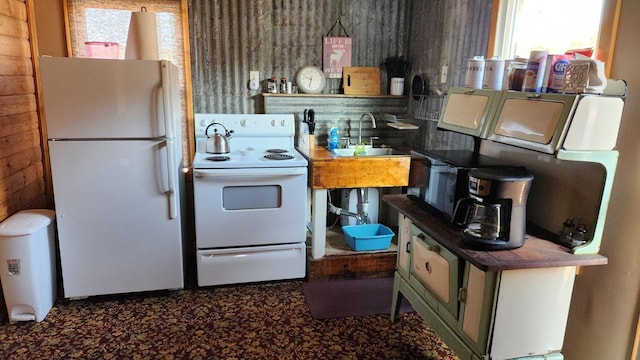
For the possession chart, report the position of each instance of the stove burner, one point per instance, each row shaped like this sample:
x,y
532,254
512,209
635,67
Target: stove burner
x,y
276,151
279,157
218,158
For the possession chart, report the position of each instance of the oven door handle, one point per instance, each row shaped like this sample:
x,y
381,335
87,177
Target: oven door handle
x,y
251,173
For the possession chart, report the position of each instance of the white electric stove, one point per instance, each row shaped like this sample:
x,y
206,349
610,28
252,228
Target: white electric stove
x,y
250,203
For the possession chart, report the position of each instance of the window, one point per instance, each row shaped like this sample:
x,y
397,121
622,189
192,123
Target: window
x,y
108,21
554,25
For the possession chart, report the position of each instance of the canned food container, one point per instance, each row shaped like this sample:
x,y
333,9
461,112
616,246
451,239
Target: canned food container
x,y
493,74
534,75
475,72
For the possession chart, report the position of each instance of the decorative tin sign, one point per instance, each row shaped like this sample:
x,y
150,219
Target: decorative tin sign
x,y
336,53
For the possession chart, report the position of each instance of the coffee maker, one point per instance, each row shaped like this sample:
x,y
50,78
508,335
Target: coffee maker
x,y
494,214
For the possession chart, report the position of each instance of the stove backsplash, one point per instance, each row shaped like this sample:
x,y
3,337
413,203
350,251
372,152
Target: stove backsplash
x,y
561,190
345,113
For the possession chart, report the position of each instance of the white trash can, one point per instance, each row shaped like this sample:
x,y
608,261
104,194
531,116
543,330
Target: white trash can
x,y
27,264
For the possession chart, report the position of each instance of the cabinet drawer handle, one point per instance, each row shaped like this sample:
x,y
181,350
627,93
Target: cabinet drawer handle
x,y
408,248
428,267
434,248
462,294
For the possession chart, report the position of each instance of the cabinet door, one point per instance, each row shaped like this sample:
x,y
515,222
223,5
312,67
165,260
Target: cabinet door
x,y
477,298
435,268
468,111
531,313
532,120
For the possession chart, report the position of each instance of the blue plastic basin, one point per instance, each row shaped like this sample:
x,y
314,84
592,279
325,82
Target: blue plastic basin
x,y
367,237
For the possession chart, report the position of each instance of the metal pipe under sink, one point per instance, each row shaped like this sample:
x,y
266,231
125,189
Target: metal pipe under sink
x,y
362,217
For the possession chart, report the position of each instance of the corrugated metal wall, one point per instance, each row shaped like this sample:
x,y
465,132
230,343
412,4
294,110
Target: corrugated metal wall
x,y
229,38
444,32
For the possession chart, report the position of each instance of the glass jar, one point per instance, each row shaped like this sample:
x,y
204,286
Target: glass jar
x,y
516,72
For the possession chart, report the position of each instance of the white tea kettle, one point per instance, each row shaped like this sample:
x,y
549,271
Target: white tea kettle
x,y
218,143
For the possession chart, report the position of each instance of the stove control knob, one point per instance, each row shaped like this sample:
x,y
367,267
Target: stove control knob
x,y
243,122
273,123
283,123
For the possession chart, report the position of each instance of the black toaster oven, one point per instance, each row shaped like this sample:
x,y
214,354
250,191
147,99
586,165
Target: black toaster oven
x,y
438,179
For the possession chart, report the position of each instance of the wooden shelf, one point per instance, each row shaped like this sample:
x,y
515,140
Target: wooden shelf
x,y
334,96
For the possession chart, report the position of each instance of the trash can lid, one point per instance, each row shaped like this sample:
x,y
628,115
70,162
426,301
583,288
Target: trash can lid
x,y
26,222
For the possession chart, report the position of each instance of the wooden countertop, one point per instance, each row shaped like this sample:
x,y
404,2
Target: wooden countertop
x,y
536,252
329,171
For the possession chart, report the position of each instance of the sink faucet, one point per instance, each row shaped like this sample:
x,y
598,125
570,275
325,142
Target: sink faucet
x,y
373,122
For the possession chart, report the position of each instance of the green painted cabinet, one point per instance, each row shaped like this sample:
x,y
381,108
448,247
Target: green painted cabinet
x,y
514,313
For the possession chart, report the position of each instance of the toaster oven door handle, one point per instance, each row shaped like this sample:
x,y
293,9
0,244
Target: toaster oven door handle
x,y
250,173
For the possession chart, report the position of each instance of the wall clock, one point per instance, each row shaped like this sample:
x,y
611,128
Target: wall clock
x,y
310,80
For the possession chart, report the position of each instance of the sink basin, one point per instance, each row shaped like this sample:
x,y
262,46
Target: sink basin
x,y
369,151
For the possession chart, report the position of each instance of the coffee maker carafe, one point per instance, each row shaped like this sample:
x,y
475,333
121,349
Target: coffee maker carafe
x,y
494,214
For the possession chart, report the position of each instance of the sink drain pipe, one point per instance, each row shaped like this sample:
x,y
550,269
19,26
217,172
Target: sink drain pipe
x,y
362,217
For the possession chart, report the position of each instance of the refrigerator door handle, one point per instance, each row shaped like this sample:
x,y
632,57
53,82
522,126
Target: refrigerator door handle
x,y
172,173
165,88
167,114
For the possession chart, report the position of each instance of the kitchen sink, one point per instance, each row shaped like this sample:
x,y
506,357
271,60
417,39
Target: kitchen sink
x,y
339,168
369,151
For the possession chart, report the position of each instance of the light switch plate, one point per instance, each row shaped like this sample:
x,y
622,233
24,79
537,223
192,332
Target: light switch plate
x,y
254,80
254,75
443,74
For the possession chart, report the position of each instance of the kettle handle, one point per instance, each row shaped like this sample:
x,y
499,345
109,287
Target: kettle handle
x,y
206,131
461,212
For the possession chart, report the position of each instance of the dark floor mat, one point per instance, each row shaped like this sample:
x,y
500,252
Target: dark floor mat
x,y
342,298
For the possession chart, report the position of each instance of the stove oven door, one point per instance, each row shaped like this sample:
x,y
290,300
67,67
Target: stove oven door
x,y
250,206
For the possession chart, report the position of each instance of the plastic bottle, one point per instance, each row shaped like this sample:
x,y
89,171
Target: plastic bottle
x,y
334,138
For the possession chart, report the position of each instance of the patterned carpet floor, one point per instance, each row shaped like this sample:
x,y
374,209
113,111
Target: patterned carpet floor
x,y
257,321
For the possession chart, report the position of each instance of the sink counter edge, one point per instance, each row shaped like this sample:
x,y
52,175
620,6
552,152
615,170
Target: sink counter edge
x,y
329,171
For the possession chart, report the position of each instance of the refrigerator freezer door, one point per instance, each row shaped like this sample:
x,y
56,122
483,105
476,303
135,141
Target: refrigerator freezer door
x,y
106,99
114,220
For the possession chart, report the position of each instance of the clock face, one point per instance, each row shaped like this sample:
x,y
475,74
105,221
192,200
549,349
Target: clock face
x,y
310,80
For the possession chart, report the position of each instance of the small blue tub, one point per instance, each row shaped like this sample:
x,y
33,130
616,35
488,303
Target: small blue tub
x,y
367,237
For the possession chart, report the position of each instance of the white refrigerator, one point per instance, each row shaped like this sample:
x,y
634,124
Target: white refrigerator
x,y
114,137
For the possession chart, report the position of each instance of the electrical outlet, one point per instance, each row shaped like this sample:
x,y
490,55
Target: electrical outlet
x,y
443,74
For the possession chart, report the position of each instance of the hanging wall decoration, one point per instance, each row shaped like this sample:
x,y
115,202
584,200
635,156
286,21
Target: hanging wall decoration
x,y
336,52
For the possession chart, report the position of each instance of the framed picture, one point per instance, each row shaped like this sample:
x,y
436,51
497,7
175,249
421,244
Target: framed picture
x,y
336,54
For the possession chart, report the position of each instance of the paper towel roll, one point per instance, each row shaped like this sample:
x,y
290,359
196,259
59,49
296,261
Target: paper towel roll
x,y
142,40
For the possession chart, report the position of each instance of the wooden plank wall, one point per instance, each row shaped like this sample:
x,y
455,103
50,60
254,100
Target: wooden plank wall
x,y
22,184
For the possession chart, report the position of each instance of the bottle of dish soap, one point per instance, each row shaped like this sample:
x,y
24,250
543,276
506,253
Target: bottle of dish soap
x,y
334,137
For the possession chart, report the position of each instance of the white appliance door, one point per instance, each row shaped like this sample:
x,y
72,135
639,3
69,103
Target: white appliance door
x,y
106,99
253,206
114,205
249,264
